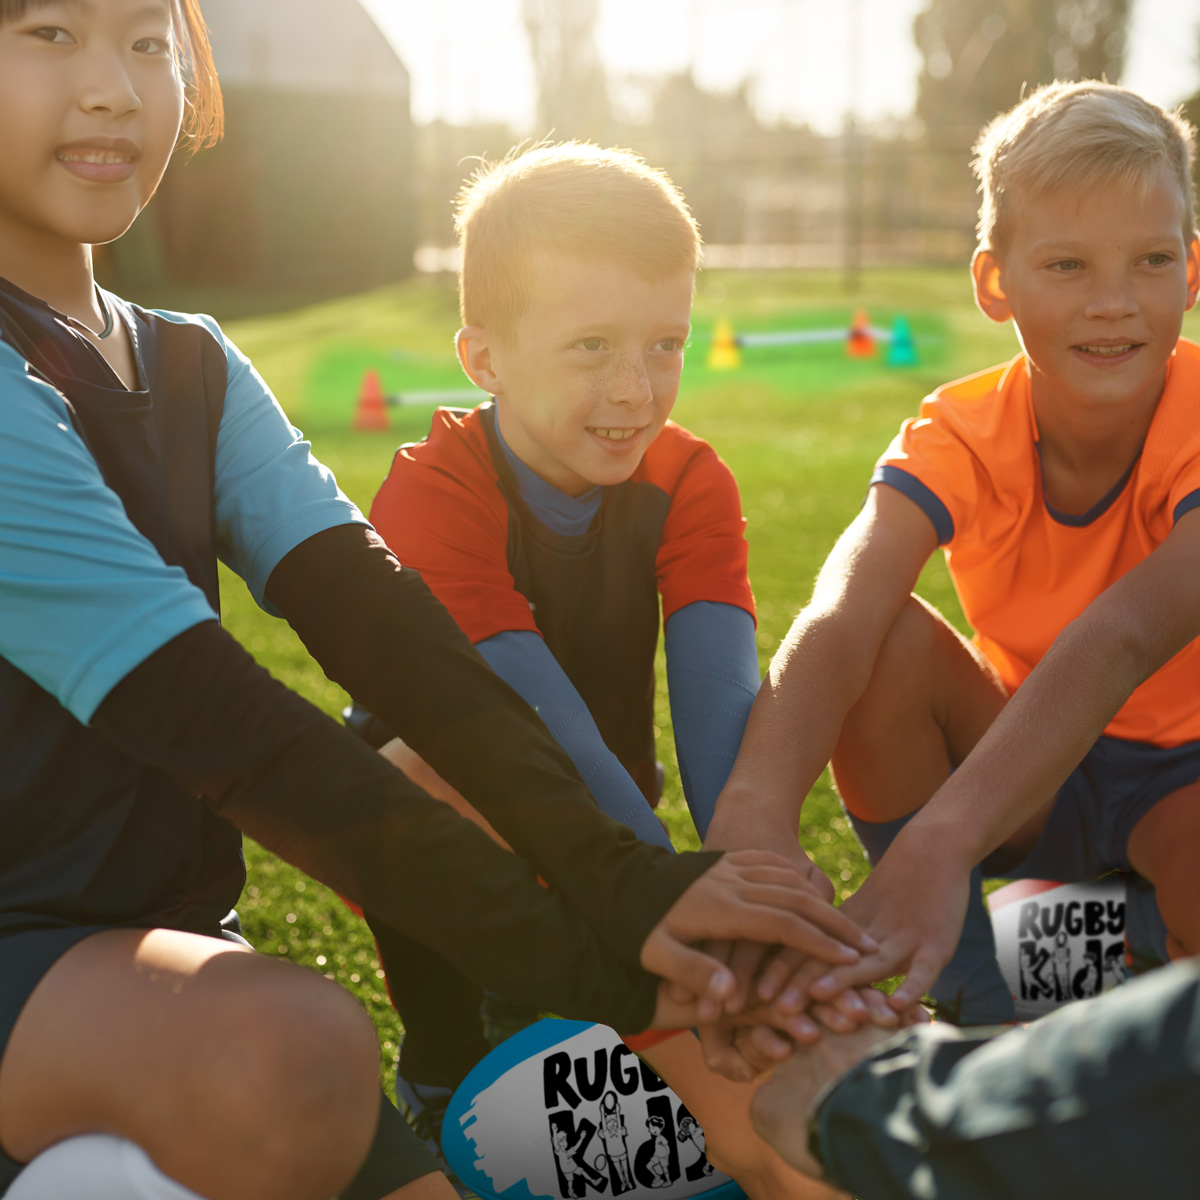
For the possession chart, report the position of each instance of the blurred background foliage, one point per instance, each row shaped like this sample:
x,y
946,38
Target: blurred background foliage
x,y
326,184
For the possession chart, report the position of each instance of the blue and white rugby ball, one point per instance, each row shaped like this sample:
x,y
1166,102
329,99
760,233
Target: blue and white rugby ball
x,y
1058,942
565,1110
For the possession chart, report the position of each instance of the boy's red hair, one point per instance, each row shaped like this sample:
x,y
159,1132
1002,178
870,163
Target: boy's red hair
x,y
575,199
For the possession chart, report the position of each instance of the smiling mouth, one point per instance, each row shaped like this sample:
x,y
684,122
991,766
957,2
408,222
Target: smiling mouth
x,y
98,157
1107,351
613,435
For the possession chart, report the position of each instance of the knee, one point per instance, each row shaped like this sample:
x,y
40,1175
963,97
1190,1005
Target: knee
x,y
304,1107
902,662
901,678
1178,895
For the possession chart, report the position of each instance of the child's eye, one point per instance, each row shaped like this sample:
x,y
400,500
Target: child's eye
x,y
671,344
590,344
53,34
1064,266
152,45
1158,260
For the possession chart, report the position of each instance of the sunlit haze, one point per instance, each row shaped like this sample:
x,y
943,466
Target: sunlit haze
x,y
469,60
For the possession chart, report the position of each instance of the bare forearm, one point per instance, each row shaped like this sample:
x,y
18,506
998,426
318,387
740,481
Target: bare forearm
x,y
816,676
823,668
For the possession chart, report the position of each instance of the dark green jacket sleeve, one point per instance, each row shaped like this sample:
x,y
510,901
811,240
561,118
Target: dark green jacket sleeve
x,y
1099,1099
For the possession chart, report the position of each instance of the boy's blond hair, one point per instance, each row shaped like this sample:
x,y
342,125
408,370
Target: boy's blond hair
x,y
1077,134
572,198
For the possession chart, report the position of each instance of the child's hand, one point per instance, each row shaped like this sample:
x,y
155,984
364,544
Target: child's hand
x,y
750,962
752,896
742,1046
915,912
781,1107
747,959
730,835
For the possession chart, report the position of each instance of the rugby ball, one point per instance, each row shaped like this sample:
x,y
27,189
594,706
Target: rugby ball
x,y
565,1110
1058,942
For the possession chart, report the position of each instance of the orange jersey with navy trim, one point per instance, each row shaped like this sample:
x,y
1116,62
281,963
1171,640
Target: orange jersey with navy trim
x,y
1022,571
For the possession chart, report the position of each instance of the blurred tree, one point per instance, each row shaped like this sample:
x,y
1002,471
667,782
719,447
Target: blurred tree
x,y
1191,106
979,54
572,91
705,141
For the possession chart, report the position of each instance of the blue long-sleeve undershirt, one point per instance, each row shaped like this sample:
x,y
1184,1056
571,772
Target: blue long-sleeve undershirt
x,y
712,677
524,662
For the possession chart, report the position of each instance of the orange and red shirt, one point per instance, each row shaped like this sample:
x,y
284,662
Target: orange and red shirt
x,y
442,510
453,509
1022,571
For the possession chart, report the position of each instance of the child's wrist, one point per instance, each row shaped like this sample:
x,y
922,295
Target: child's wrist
x,y
943,841
750,832
748,818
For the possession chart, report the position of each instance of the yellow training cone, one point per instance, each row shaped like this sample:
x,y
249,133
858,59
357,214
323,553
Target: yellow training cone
x,y
723,354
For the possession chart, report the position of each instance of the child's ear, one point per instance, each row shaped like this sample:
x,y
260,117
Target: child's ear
x,y
988,274
1193,270
474,349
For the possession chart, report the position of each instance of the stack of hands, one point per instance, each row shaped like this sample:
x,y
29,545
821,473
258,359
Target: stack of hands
x,y
755,956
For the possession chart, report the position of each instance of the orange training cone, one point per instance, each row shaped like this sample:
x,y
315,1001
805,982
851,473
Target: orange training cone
x,y
723,354
859,342
370,415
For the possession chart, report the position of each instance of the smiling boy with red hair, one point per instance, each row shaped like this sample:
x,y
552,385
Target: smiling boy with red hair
x,y
551,519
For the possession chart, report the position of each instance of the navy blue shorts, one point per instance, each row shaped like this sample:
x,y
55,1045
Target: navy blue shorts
x,y
1087,833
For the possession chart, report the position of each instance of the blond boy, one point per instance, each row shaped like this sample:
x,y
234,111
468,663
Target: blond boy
x,y
1063,486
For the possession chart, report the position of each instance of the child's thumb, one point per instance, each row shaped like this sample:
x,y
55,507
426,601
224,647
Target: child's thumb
x,y
703,976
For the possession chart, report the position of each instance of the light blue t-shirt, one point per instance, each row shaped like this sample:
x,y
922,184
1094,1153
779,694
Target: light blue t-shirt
x,y
84,596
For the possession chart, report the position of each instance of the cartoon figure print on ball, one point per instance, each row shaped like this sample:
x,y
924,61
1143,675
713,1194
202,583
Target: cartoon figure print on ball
x,y
566,1111
1059,942
616,1148
690,1131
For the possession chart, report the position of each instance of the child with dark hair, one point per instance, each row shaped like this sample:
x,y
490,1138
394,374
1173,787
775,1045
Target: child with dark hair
x,y
137,739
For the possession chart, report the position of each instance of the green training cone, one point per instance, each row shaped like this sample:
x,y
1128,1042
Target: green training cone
x,y
903,351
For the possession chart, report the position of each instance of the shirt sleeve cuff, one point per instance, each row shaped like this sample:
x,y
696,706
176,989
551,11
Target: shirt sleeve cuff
x,y
1190,501
128,649
286,537
925,499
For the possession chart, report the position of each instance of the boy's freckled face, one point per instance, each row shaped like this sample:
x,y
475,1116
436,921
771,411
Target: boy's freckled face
x,y
1097,283
90,108
590,374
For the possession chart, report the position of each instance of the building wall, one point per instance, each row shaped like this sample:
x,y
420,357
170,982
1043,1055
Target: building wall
x,y
326,46
312,185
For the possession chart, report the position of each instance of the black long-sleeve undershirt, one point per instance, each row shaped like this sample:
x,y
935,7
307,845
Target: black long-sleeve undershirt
x,y
377,630
310,791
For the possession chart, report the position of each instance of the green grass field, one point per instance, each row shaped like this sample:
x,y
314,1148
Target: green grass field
x,y
800,427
